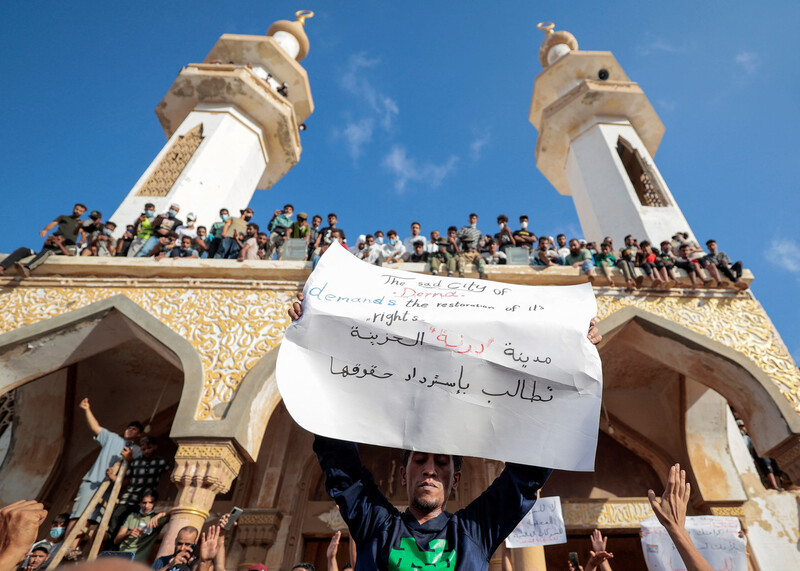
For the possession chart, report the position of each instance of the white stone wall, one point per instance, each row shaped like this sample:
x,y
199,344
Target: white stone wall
x,y
773,530
223,172
604,197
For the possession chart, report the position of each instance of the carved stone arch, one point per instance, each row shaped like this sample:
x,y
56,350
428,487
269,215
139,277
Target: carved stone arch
x,y
96,349
775,426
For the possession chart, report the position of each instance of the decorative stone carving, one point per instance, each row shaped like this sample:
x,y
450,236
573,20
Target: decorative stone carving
x,y
172,163
740,323
256,532
202,470
623,513
231,328
236,322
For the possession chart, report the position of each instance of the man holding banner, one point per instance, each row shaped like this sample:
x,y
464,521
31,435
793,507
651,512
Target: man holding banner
x,y
450,389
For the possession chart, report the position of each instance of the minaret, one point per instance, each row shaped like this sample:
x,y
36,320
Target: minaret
x,y
598,134
233,124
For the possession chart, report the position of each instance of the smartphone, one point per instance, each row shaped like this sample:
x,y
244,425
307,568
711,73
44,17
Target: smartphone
x,y
235,513
573,560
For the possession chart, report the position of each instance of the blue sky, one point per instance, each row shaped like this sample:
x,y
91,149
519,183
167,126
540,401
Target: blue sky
x,y
421,113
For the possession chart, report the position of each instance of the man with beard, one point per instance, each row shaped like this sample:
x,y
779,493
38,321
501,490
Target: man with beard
x,y
62,241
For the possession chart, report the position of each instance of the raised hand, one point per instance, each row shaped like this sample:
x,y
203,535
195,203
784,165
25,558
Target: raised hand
x,y
670,509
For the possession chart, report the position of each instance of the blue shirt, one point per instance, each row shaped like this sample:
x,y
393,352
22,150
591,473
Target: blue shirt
x,y
110,451
389,540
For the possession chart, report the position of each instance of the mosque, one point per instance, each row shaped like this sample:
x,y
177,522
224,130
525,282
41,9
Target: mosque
x,y
191,347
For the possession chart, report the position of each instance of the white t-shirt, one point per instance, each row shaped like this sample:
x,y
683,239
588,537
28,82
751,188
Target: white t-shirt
x,y
182,231
408,243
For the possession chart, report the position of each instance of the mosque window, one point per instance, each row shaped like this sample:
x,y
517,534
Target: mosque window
x,y
643,179
171,165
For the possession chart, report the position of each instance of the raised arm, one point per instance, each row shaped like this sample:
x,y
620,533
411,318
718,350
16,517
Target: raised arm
x,y
47,228
362,505
94,426
333,549
599,556
670,510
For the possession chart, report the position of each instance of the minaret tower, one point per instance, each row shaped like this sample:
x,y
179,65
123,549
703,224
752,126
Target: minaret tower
x,y
233,124
598,134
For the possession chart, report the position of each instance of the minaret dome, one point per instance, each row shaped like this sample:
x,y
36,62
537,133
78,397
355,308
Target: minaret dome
x,y
291,36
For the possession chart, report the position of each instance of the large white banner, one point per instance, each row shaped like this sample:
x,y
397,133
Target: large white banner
x,y
543,525
436,364
718,539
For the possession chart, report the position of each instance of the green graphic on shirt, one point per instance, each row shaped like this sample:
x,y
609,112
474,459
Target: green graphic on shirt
x,y
411,558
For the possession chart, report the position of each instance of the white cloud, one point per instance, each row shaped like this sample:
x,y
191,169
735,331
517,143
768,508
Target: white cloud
x,y
748,60
354,81
356,135
785,253
657,46
406,169
477,145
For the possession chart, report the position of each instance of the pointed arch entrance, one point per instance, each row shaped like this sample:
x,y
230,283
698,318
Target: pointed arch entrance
x,y
129,364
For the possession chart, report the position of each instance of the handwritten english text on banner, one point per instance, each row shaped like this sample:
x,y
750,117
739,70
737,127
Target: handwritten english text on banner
x,y
447,365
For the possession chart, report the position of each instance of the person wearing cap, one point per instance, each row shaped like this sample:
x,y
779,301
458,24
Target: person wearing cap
x,y
101,242
280,228
189,228
37,557
301,228
90,227
164,225
62,241
446,251
54,537
234,227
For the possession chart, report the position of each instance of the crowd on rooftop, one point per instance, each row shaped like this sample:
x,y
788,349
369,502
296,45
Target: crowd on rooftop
x,y
166,235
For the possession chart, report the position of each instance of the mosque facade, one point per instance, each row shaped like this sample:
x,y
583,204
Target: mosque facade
x,y
192,346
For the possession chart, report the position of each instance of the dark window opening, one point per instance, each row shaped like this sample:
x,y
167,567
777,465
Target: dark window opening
x,y
641,175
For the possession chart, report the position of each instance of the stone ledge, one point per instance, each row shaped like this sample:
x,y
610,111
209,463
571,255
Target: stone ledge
x,y
230,271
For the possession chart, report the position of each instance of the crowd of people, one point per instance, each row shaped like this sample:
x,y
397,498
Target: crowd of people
x,y
474,532
136,522
166,235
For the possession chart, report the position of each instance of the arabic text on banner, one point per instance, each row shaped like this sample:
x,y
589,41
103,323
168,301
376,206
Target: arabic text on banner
x,y
437,364
716,537
543,525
